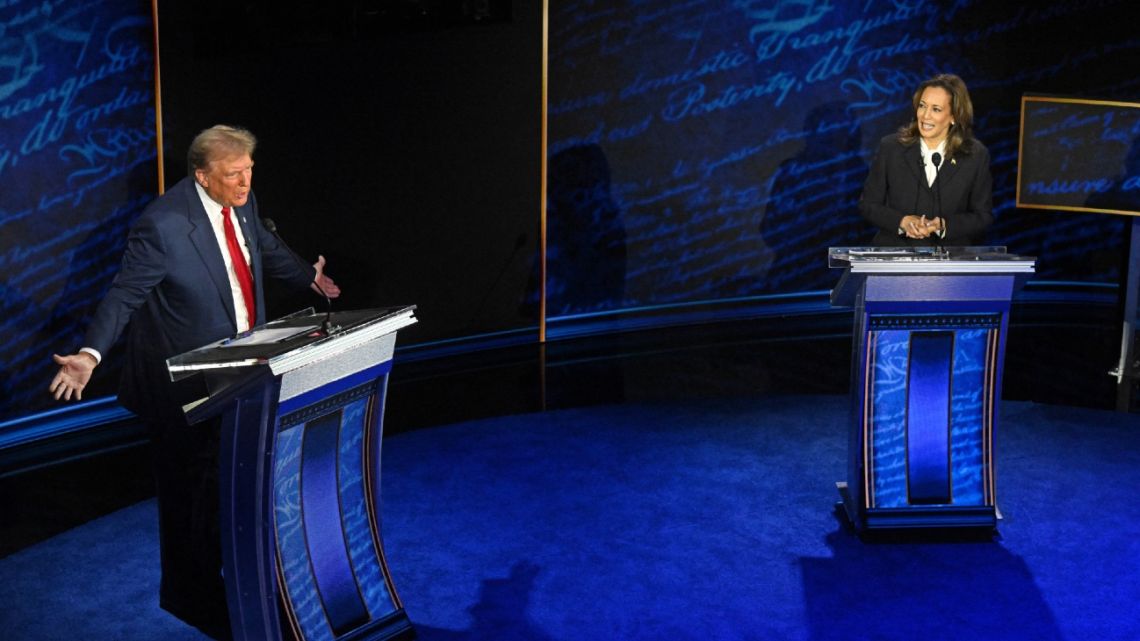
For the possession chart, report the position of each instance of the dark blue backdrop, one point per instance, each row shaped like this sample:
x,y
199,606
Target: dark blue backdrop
x,y
699,150
77,164
715,148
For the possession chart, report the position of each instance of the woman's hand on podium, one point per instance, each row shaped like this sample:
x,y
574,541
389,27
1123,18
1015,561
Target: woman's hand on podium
x,y
919,227
914,226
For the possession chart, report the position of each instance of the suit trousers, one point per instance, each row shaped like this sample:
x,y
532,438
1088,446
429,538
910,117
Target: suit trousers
x,y
186,461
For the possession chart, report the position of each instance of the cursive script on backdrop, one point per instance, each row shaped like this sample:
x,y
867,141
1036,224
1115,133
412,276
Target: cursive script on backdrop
x,y
77,165
738,132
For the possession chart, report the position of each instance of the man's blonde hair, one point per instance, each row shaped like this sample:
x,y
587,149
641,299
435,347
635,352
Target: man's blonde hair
x,y
217,142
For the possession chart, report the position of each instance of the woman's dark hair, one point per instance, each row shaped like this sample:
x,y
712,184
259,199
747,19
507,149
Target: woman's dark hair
x,y
960,137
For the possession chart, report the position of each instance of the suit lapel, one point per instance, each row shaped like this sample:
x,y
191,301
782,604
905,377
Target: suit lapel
x,y
947,172
206,243
912,157
247,230
247,218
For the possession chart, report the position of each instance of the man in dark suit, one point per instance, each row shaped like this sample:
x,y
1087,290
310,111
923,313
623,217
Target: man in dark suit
x,y
930,182
191,274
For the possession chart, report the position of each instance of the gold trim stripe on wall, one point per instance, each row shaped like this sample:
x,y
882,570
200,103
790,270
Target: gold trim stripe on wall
x,y
158,100
542,179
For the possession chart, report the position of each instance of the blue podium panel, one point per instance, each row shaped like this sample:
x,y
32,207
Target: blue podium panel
x,y
929,336
302,401
326,513
926,427
928,418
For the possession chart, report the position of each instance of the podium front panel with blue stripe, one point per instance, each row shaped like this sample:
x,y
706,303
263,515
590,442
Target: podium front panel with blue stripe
x,y
302,429
929,335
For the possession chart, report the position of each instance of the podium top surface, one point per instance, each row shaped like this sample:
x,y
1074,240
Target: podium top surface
x,y
929,260
293,341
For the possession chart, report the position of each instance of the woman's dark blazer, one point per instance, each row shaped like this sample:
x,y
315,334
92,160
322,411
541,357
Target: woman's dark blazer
x,y
896,186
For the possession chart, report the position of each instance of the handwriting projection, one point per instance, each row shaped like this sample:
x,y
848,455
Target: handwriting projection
x,y
736,134
77,164
1081,154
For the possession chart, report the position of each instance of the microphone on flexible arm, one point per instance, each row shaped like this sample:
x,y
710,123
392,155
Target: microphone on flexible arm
x,y
327,326
936,160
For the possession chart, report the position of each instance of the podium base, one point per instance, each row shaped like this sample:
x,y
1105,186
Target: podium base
x,y
973,519
394,627
845,504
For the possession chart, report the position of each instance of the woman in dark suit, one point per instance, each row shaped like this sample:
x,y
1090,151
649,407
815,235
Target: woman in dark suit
x,y
930,182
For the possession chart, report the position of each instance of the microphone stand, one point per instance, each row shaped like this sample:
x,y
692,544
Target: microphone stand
x,y
327,326
936,160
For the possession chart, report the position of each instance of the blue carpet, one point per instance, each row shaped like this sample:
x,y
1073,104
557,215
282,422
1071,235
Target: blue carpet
x,y
696,520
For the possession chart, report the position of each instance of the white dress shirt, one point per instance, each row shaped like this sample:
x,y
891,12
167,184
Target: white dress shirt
x,y
214,213
931,172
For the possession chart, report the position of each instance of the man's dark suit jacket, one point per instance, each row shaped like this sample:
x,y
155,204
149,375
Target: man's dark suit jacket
x,y
896,186
174,293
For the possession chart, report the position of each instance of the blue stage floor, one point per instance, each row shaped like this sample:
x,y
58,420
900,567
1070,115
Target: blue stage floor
x,y
673,520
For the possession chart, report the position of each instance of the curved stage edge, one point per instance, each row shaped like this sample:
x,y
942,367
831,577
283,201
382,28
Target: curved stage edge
x,y
677,519
77,463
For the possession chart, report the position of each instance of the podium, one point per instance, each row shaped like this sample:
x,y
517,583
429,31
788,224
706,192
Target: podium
x,y
302,403
926,369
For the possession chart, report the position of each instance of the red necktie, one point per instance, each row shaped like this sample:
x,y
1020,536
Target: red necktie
x,y
241,268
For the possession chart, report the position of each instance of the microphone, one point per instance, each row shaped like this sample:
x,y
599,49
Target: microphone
x,y
327,326
936,160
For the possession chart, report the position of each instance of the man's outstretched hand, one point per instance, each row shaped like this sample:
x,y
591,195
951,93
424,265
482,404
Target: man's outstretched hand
x,y
74,372
322,284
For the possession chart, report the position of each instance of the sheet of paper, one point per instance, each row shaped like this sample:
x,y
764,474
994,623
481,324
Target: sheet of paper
x,y
267,335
